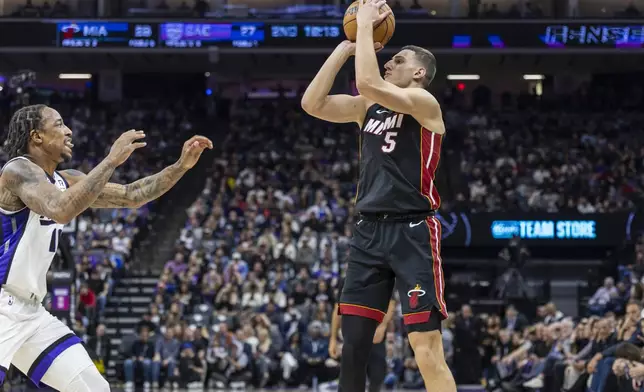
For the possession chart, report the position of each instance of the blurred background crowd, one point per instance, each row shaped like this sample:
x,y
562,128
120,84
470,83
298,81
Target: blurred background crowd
x,y
229,280
257,250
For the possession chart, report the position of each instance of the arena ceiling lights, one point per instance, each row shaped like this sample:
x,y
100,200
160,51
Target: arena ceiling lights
x,y
533,77
74,76
464,77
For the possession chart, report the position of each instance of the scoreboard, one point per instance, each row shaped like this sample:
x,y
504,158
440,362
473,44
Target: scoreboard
x,y
279,34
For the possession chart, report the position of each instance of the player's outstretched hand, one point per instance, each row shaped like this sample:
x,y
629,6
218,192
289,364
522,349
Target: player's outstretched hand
x,y
192,150
350,47
125,145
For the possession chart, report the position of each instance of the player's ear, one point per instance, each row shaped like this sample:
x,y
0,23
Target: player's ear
x,y
35,136
420,73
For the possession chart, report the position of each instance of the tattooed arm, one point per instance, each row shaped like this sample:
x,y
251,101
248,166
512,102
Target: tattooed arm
x,y
28,182
149,188
132,195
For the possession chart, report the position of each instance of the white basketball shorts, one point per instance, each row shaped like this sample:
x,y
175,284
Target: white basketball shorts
x,y
38,344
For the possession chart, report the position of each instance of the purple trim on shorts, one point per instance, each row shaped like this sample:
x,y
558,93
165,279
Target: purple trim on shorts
x,y
52,353
3,374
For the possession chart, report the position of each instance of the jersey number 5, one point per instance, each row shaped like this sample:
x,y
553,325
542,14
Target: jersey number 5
x,y
390,142
55,235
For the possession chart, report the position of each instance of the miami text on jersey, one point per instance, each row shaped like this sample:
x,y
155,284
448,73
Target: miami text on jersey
x,y
376,127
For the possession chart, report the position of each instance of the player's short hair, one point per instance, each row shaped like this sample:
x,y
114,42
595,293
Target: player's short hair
x,y
427,60
23,121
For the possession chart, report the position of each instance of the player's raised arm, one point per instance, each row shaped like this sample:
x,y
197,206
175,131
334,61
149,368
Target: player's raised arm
x,y
340,108
408,74
149,188
27,181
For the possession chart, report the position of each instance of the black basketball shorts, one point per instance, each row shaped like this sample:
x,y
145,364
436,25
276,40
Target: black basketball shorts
x,y
403,254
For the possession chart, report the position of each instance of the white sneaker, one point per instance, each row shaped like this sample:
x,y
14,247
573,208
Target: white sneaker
x,y
155,385
129,386
175,386
195,386
535,383
146,386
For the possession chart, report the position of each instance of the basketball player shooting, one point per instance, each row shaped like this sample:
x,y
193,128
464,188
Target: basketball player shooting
x,y
36,201
397,237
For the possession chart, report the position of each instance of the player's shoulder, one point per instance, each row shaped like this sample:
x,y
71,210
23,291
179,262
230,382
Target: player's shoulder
x,y
425,95
19,168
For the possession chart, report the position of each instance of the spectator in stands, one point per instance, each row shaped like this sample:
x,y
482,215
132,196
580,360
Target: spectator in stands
x,y
238,371
165,355
87,304
467,329
394,368
122,243
265,357
552,315
141,356
290,359
514,321
100,348
598,303
315,352
190,369
630,331
97,284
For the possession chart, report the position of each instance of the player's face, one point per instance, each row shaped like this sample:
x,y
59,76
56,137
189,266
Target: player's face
x,y
402,69
55,136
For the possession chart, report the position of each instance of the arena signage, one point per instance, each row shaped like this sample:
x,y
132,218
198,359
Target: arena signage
x,y
438,35
495,229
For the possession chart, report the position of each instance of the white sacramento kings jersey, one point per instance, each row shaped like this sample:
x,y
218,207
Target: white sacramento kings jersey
x,y
29,243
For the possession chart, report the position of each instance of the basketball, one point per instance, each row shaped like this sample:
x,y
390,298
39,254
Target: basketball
x,y
381,33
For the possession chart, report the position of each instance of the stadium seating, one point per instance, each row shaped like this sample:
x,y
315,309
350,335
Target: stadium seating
x,y
255,268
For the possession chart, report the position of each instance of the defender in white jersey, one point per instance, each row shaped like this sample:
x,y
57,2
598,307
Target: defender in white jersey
x,y
36,202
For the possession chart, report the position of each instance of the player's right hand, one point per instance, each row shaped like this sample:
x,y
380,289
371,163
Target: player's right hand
x,y
333,349
350,47
125,145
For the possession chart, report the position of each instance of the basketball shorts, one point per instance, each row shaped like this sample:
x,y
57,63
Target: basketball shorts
x,y
38,344
401,254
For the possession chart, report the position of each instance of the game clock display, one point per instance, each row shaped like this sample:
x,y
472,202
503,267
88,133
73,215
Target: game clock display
x,y
490,36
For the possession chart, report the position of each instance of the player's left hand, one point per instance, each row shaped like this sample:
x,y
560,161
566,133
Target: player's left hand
x,y
369,12
192,150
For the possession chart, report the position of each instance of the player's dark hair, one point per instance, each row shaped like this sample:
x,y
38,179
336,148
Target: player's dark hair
x,y
427,60
22,123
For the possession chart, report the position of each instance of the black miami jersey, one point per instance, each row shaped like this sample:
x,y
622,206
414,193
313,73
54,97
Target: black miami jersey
x,y
398,162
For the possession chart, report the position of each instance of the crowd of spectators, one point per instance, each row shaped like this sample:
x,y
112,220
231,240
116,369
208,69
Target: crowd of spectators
x,y
105,238
247,297
585,159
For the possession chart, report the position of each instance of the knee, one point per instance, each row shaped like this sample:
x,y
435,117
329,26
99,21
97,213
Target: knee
x,y
128,363
89,380
426,357
428,350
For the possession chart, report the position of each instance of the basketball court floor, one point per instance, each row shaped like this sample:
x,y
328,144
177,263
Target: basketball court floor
x,y
118,389
323,389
